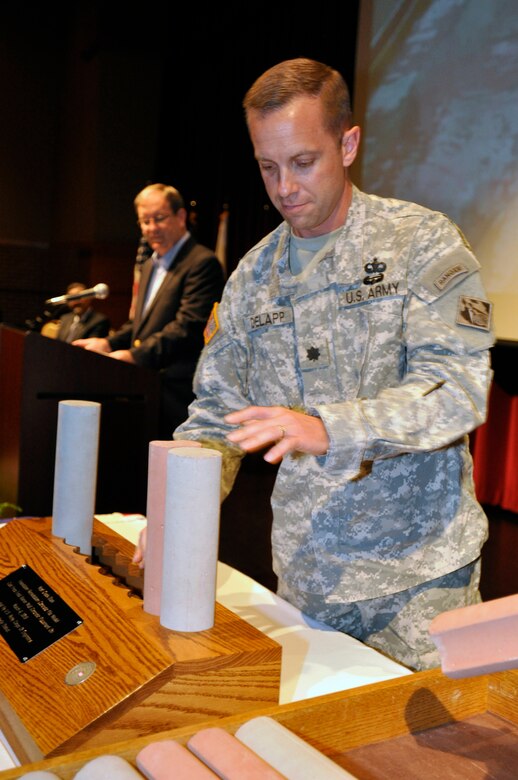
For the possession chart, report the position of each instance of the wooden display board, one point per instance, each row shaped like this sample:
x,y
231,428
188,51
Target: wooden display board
x,y
422,725
146,678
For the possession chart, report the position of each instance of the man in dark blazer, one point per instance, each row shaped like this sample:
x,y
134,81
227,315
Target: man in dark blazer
x,y
178,287
82,321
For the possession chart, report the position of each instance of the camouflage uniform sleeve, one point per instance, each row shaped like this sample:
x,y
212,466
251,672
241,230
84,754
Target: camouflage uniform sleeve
x,y
445,380
220,386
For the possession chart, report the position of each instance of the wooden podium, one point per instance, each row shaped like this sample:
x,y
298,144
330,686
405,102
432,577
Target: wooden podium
x,y
35,374
147,679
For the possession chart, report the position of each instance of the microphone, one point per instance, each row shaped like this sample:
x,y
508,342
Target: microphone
x,y
99,291
143,252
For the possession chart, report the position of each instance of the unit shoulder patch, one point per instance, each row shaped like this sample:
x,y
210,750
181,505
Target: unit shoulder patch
x,y
474,312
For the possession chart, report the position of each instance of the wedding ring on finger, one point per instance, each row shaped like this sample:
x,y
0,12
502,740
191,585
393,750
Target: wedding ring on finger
x,y
283,431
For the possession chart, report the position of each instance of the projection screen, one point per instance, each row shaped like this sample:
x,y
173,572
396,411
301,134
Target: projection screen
x,y
436,95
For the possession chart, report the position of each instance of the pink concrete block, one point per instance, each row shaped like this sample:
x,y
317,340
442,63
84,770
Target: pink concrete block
x,y
168,760
478,639
155,510
230,758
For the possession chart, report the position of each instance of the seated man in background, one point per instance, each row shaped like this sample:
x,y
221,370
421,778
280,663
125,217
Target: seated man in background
x,y
178,287
82,321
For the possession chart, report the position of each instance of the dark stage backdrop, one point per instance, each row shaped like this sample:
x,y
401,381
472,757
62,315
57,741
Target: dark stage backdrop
x,y
212,158
101,98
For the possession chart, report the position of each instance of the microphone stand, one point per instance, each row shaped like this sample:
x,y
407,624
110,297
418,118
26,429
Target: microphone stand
x,y
53,313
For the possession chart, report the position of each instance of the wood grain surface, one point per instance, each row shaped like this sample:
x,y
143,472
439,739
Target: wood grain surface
x,y
147,678
401,714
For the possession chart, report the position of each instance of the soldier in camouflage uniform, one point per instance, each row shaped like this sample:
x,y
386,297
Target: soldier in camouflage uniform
x,y
344,346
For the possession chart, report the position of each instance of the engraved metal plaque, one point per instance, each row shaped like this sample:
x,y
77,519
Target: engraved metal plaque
x,y
32,615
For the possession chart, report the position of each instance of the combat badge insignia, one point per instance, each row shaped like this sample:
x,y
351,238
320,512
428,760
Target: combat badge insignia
x,y
474,312
212,326
375,271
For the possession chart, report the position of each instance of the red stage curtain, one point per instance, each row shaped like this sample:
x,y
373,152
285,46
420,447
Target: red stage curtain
x,y
495,452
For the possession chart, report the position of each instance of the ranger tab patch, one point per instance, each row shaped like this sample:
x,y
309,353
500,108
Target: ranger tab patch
x,y
212,326
451,273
